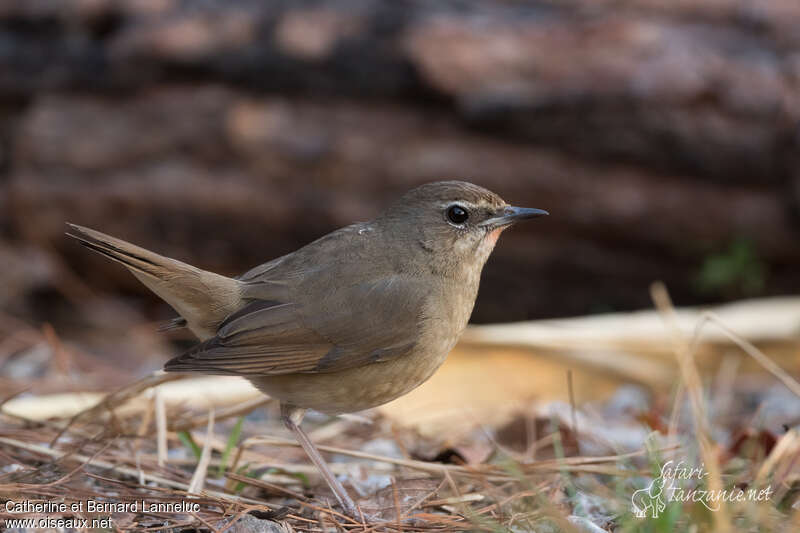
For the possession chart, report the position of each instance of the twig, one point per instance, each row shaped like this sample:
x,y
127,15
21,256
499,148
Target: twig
x,y
130,472
477,470
199,476
120,396
240,409
572,409
256,482
750,349
161,427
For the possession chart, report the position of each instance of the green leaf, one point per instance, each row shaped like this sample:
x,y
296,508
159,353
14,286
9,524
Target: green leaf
x,y
187,440
243,470
233,439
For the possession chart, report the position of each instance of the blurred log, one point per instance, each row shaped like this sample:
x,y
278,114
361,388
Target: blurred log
x,y
214,183
765,320
715,83
229,133
204,393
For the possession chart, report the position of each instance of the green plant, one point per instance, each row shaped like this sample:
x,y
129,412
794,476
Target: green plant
x,y
737,270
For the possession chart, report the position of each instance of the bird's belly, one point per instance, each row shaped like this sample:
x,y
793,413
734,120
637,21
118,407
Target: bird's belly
x,y
358,388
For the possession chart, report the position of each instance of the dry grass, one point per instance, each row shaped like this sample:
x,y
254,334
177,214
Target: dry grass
x,y
542,472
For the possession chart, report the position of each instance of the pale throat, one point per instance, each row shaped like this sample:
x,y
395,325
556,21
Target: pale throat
x,y
487,244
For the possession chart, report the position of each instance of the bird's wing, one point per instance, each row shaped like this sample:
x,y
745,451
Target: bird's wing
x,y
350,325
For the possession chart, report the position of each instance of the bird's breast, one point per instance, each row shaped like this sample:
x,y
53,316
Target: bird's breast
x,y
358,388
445,315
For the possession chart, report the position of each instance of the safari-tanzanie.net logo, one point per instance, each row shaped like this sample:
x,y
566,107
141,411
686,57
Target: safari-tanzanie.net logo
x,y
678,482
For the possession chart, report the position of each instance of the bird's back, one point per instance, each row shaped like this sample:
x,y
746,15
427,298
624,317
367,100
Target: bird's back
x,y
337,303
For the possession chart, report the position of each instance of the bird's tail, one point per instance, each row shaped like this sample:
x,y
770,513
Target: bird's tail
x,y
202,298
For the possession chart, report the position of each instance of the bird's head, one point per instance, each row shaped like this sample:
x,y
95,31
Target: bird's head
x,y
454,223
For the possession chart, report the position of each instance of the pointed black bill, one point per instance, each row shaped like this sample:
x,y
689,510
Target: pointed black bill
x,y
512,214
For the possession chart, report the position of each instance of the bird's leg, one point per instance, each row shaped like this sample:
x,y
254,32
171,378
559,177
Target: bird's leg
x,y
292,417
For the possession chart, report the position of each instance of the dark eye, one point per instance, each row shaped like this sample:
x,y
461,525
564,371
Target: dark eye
x,y
457,214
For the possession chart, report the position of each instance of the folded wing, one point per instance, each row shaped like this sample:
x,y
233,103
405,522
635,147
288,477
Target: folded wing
x,y
350,325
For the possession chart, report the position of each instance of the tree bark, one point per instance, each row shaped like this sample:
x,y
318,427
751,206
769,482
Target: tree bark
x,y
226,134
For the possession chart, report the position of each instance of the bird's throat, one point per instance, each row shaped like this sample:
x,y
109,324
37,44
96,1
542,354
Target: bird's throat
x,y
493,235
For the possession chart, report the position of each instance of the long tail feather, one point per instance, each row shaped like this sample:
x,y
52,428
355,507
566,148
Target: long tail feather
x,y
202,298
128,254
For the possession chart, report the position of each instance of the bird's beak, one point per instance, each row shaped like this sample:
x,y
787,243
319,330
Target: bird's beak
x,y
511,214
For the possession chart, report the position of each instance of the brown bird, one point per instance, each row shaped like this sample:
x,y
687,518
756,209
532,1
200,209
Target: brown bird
x,y
353,320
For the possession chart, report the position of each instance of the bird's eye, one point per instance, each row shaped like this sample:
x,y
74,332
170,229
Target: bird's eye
x,y
457,214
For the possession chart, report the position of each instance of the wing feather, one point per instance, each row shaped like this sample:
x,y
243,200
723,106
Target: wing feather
x,y
316,310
